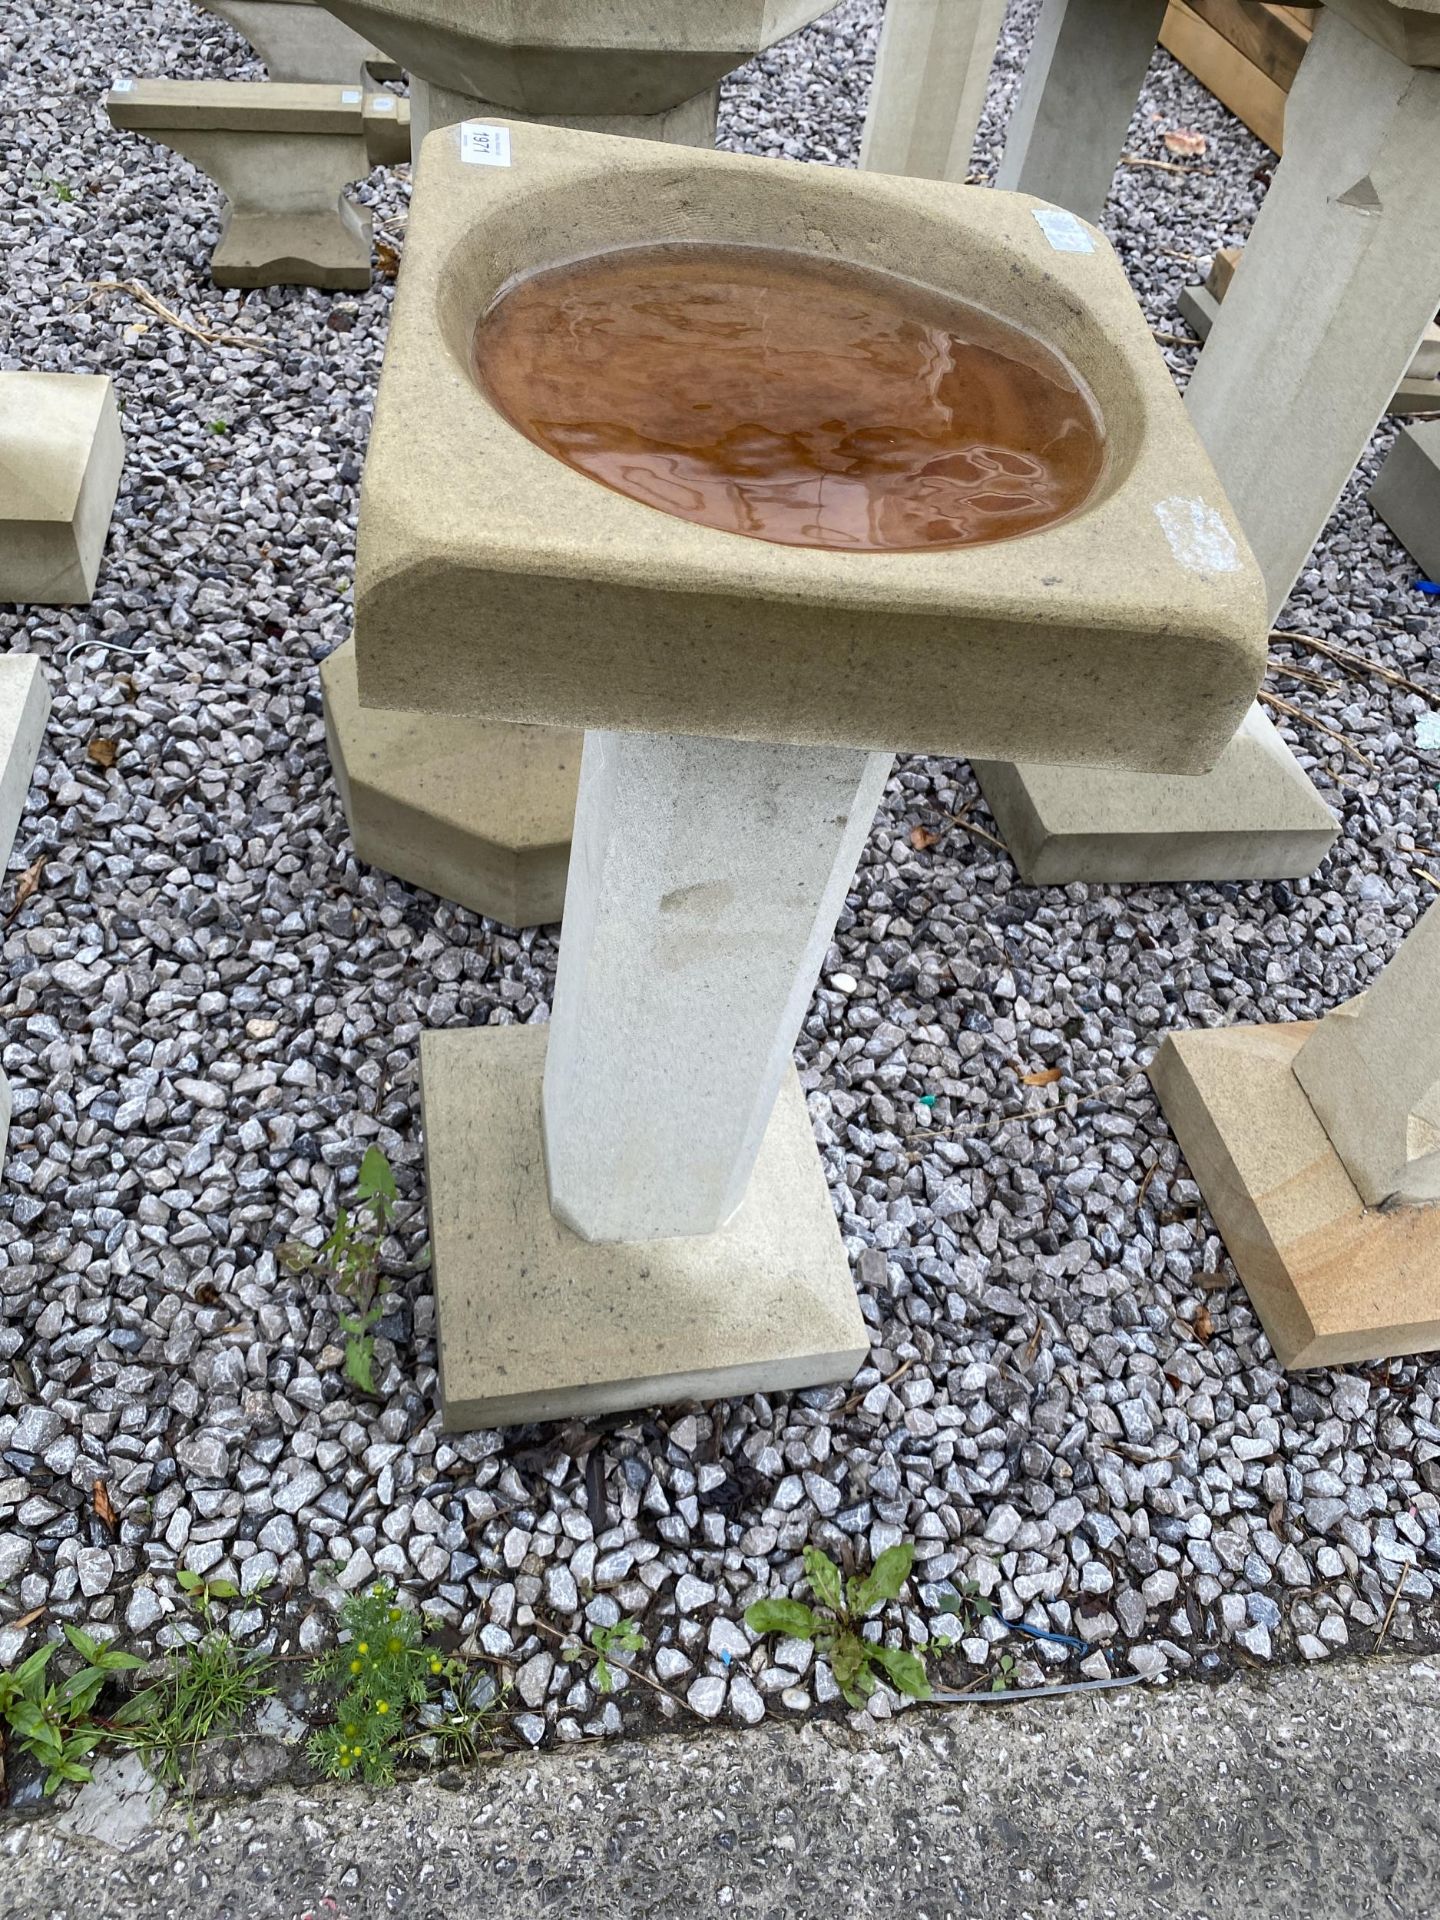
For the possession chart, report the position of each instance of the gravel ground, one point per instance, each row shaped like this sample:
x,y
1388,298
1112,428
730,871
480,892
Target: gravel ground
x,y
211,1010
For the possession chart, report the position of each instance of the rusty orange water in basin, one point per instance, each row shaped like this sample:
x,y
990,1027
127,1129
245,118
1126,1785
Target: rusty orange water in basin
x,y
810,402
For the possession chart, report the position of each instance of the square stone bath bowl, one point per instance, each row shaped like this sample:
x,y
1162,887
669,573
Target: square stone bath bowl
x,y
630,1208
493,579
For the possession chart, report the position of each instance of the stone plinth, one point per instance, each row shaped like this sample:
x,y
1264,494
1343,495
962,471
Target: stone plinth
x,y
638,1214
61,453
283,156
931,72
299,41
475,811
1406,493
582,58
1317,1148
24,709
1062,823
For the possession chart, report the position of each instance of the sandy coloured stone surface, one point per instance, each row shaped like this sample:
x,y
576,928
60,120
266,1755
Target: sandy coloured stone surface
x,y
61,454
576,57
1254,816
535,1323
475,812
493,579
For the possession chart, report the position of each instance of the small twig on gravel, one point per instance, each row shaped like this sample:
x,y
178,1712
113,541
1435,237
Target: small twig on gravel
x,y
1161,166
1173,253
1307,674
1173,339
1425,874
162,312
1347,657
855,1398
1390,1610
967,826
1320,726
619,1665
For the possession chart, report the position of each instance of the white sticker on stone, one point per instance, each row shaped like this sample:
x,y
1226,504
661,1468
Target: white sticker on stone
x,y
382,103
1065,233
1199,538
482,146
350,96
121,84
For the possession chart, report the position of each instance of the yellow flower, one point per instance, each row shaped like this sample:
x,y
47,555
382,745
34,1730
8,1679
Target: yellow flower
x,y
382,1706
435,1663
352,1732
357,1666
394,1613
363,1647
396,1646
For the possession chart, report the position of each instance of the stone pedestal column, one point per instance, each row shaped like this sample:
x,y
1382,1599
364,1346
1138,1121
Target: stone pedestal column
x,y
1341,279
1082,77
649,1170
706,877
1318,1151
931,73
1371,1071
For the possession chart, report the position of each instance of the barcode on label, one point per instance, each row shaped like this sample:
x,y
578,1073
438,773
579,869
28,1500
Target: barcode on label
x,y
483,146
121,84
1065,233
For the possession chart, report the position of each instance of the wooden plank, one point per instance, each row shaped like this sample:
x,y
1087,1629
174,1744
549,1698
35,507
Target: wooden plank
x,y
1252,96
1269,38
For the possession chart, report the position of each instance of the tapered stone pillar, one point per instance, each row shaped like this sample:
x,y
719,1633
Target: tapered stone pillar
x,y
931,73
693,932
1317,1148
1341,279
1082,78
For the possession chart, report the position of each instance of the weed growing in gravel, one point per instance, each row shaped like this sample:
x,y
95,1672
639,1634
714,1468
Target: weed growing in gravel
x,y
624,1637
836,1626
350,1258
52,1721
204,1691
202,1593
396,1695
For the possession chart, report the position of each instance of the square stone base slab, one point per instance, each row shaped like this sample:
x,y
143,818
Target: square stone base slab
x,y
331,251
537,1324
1331,1281
475,811
61,453
1255,816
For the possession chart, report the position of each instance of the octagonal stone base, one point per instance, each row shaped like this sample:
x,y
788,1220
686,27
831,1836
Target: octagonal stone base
x,y
477,812
537,1324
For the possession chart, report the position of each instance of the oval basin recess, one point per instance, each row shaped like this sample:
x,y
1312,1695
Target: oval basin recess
x,y
789,397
